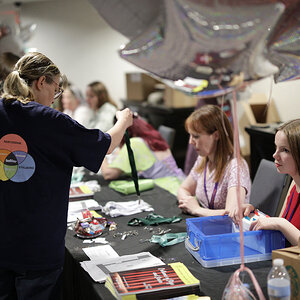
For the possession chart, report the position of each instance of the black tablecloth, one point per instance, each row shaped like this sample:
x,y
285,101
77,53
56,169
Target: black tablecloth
x,y
79,285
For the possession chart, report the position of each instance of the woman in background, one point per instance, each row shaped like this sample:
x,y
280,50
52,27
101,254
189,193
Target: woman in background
x,y
73,105
103,107
152,155
287,161
211,186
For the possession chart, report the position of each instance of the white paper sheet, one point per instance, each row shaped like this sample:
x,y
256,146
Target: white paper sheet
x,y
76,207
95,240
103,252
98,269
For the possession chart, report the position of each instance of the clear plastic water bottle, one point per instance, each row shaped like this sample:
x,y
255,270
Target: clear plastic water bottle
x,y
279,284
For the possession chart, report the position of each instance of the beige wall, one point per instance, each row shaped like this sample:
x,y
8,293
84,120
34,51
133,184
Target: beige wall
x,y
84,47
286,96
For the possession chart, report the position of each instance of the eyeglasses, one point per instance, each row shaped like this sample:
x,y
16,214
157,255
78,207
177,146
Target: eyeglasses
x,y
60,90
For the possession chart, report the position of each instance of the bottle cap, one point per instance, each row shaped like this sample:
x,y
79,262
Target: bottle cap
x,y
278,262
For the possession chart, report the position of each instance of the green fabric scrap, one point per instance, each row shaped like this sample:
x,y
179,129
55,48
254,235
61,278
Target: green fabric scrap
x,y
153,219
170,183
144,158
127,187
169,239
76,177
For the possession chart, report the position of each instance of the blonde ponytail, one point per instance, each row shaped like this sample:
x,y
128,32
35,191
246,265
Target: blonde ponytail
x,y
16,88
30,67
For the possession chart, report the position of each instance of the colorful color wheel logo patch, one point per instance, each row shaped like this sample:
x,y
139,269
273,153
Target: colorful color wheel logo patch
x,y
15,163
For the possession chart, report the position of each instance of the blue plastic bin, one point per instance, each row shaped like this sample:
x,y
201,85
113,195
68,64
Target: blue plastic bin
x,y
214,242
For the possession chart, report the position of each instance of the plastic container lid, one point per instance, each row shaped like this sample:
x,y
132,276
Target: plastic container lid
x,y
278,262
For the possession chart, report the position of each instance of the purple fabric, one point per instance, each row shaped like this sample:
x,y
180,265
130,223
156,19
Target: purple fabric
x,y
163,168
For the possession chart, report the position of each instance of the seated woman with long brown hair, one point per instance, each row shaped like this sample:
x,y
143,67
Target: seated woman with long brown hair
x,y
211,187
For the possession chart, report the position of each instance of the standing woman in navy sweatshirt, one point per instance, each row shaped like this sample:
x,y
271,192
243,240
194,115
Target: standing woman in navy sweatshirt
x,y
39,146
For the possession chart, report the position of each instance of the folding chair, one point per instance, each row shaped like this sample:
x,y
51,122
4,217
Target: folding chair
x,y
168,134
269,188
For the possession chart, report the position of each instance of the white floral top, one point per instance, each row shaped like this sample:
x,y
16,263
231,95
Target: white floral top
x,y
229,180
103,118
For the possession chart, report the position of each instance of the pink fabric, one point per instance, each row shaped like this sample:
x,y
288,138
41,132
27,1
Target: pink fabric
x,y
229,180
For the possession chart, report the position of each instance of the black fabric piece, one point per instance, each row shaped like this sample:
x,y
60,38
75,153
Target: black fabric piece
x,y
132,163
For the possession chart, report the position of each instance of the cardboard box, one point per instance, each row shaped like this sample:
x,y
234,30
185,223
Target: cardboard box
x,y
177,99
291,257
139,86
256,111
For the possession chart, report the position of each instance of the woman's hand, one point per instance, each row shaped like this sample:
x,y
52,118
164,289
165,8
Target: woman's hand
x,y
291,233
125,119
125,116
262,222
189,205
233,213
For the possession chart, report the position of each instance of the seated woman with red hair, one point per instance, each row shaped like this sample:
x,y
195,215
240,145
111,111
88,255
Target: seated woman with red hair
x,y
152,155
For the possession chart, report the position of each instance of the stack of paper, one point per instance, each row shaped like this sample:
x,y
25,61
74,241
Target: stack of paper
x,y
99,268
